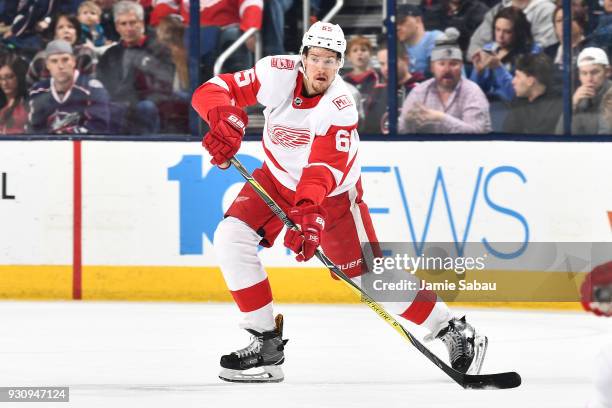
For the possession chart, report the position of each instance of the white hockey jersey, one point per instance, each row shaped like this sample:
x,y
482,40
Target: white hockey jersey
x,y
299,132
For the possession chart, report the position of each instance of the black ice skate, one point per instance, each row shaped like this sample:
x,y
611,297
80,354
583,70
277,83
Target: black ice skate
x,y
260,361
466,349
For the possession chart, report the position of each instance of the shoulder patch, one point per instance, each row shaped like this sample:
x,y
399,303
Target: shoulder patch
x,y
282,63
94,83
342,102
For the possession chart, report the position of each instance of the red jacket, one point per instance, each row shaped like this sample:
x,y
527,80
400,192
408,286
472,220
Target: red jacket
x,y
247,13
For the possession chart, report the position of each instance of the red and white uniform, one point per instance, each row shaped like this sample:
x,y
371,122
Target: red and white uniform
x,y
311,148
313,135
247,13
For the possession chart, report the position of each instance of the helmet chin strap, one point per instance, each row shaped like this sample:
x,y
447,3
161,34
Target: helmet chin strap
x,y
302,67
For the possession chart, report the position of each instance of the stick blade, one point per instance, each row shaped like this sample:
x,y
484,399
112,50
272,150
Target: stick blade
x,y
492,381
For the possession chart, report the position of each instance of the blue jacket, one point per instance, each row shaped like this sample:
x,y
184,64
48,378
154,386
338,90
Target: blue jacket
x,y
85,108
29,13
497,83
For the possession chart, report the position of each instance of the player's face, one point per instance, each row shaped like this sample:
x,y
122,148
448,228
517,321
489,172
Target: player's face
x,y
504,32
359,55
64,30
521,84
129,27
61,67
8,81
320,65
447,73
89,17
593,75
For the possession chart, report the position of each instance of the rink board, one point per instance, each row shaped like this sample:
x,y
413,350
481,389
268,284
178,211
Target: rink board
x,y
149,211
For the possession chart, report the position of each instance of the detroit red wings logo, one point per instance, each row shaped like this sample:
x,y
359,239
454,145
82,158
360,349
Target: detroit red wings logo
x,y
288,137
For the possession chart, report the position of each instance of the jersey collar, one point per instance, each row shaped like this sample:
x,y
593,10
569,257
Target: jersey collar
x,y
299,100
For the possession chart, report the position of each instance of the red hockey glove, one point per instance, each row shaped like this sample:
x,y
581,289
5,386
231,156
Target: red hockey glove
x,y
311,219
227,126
596,290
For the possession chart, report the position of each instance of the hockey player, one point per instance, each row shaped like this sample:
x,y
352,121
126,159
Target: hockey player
x,y
311,171
596,294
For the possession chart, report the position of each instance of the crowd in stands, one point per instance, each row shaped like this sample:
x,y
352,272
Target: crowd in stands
x,y
463,66
489,66
111,66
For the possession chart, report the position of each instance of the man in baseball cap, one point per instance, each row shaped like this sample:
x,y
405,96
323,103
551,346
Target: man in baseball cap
x,y
446,103
593,70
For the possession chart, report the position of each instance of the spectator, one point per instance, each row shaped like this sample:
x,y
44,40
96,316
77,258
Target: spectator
x,y
578,6
106,19
222,22
605,120
601,37
593,71
274,26
446,103
137,72
363,76
89,15
8,11
537,107
68,6
494,63
67,102
538,13
13,113
375,106
464,15
170,32
175,112
579,22
64,27
411,32
31,19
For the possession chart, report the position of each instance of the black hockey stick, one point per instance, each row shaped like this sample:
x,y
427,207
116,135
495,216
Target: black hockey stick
x,y
482,381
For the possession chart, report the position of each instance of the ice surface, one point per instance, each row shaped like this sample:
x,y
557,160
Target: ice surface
x,y
167,355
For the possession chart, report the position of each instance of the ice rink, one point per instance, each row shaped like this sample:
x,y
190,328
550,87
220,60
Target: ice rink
x,y
166,355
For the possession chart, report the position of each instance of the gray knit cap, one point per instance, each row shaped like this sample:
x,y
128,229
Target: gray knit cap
x,y
58,47
447,46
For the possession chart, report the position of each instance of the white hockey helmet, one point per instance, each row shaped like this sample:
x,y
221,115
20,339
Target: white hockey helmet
x,y
325,35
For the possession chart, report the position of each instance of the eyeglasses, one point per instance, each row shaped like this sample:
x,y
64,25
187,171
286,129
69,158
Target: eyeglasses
x,y
9,77
326,62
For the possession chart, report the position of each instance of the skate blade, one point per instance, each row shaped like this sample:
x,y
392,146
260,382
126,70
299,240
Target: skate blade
x,y
265,374
480,349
